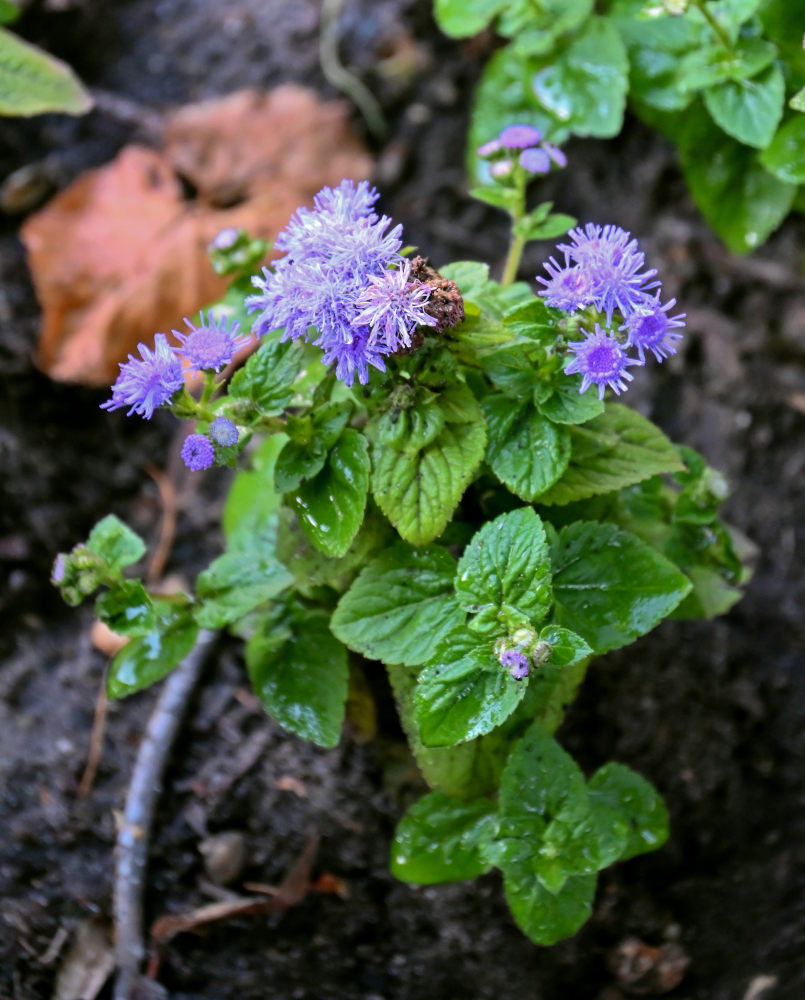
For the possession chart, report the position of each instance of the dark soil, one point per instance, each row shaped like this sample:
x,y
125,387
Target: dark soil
x,y
712,712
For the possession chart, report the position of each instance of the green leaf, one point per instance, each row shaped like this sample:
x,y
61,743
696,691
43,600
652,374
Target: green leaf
x,y
463,692
507,564
300,673
9,12
526,451
749,110
543,916
470,275
548,18
33,82
437,840
609,587
566,405
614,450
300,461
741,201
418,486
797,102
464,771
265,382
400,606
637,804
501,197
547,228
514,370
127,609
251,498
150,657
463,18
785,157
709,65
585,86
115,543
246,575
330,506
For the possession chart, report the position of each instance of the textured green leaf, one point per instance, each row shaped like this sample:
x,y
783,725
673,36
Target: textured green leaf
x,y
749,110
609,587
543,916
566,405
300,461
585,86
616,449
785,157
622,792
300,673
252,498
418,487
741,201
548,18
265,382
127,609
400,606
469,275
507,564
463,18
115,543
514,370
33,82
150,657
463,692
501,197
330,506
437,840
526,451
246,575
710,65
464,771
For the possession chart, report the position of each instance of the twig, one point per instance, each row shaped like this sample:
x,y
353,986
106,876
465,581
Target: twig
x,y
167,528
133,836
95,742
340,77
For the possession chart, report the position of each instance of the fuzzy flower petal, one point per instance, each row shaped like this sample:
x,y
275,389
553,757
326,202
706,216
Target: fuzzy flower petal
x,y
197,452
224,432
535,161
515,662
393,306
519,136
649,328
145,383
601,361
613,265
210,346
566,287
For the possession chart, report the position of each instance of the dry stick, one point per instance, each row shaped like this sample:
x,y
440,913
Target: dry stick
x,y
133,836
95,741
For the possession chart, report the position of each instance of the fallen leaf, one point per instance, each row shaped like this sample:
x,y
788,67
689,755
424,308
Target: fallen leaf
x,y
122,253
87,965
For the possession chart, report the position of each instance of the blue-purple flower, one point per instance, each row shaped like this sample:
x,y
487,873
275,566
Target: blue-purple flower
x,y
197,452
331,253
601,361
566,287
210,346
519,136
613,266
224,432
145,383
649,328
393,305
515,662
535,161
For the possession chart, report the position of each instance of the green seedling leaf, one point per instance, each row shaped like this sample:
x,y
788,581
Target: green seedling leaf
x,y
330,506
33,82
495,194
299,672
115,543
463,692
526,451
616,449
543,916
301,461
620,792
127,609
400,606
507,565
437,840
547,228
785,157
610,587
711,65
150,657
463,18
749,110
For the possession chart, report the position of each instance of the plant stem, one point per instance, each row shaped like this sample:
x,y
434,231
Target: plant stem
x,y
718,28
517,242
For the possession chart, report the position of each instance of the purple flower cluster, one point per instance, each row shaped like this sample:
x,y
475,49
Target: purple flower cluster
x,y
342,283
515,662
603,268
146,383
521,144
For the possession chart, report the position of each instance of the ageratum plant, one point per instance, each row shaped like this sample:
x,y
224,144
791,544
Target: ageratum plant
x,y
435,482
724,80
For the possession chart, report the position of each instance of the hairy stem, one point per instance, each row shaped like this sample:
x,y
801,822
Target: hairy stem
x,y
718,28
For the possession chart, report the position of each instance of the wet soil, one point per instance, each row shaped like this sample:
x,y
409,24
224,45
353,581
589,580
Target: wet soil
x,y
712,712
